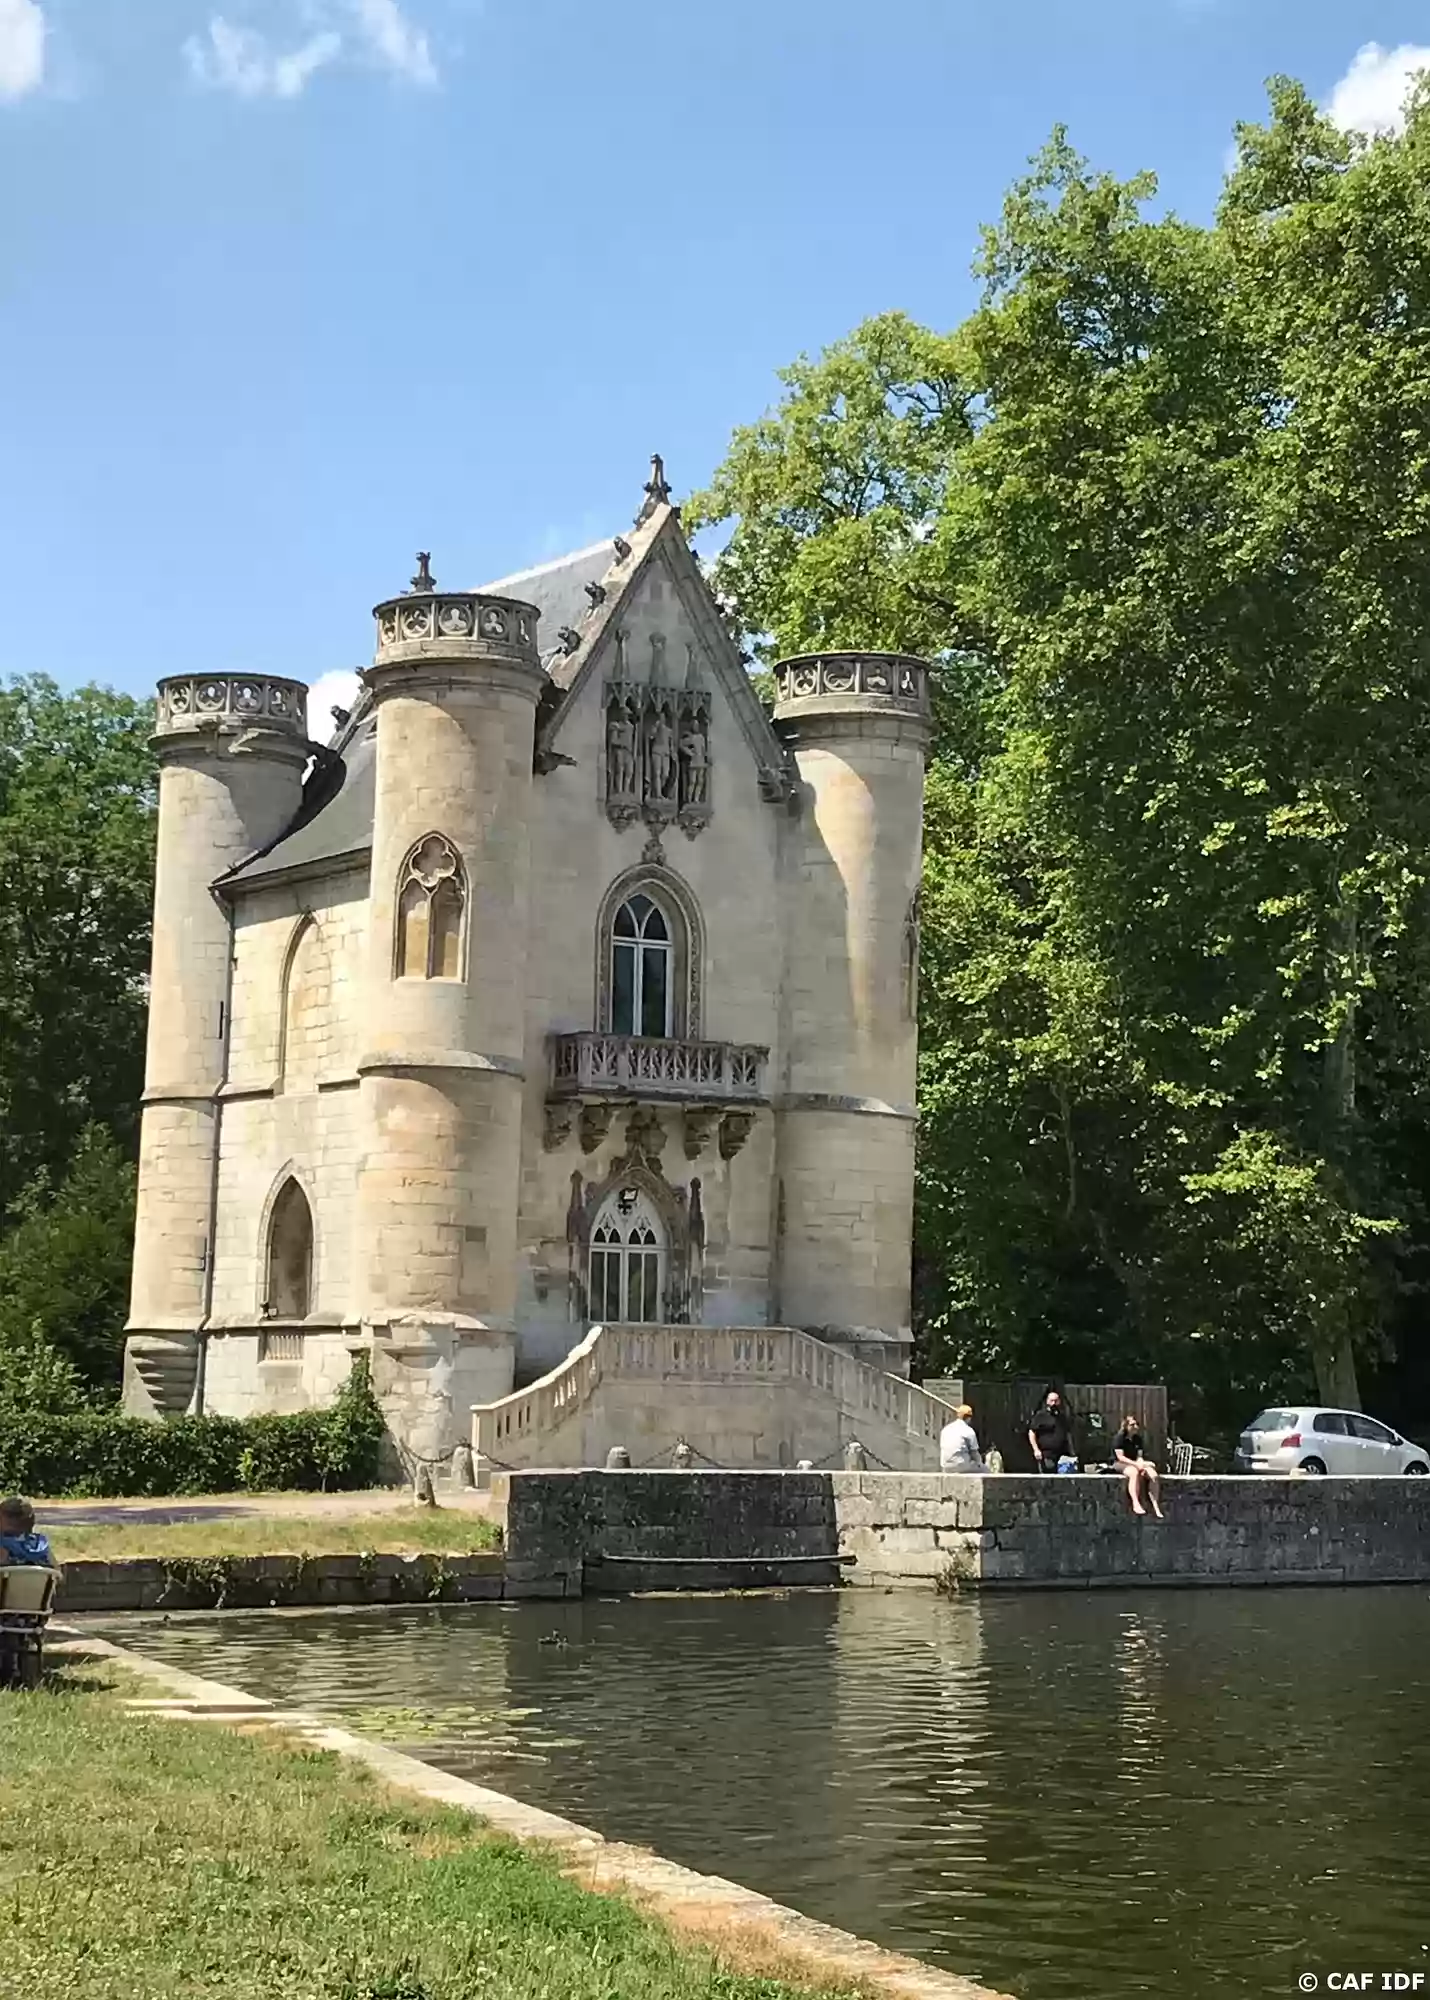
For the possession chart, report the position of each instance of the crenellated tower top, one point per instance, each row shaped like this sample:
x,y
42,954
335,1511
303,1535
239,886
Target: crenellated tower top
x,y
817,687
200,706
427,625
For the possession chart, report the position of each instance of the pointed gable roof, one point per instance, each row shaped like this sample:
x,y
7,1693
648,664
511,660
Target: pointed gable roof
x,y
579,597
657,541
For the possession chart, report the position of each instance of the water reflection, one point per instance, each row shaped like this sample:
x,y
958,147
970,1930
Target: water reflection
x,y
1057,1793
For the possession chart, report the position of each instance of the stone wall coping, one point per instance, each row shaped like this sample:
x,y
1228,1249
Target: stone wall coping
x,y
182,1583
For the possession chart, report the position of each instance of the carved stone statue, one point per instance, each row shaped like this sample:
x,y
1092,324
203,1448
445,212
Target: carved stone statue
x,y
694,762
660,755
620,752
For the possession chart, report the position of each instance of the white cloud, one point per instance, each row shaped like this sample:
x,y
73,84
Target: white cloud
x,y
243,61
22,47
250,64
1371,96
329,691
394,40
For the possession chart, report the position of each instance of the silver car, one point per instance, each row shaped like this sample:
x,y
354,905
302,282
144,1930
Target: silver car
x,y
1336,1441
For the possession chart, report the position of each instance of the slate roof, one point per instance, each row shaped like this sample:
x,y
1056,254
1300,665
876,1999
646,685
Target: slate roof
x,y
336,818
558,590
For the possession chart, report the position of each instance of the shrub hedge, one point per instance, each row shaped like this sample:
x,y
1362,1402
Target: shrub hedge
x,y
97,1455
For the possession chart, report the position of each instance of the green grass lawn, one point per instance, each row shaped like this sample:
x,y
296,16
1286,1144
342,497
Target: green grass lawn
x,y
447,1530
144,1857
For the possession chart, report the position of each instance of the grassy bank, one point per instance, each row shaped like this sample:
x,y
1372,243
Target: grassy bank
x,y
148,1856
399,1531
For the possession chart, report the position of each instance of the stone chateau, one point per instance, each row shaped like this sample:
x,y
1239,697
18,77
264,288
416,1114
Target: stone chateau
x,y
565,987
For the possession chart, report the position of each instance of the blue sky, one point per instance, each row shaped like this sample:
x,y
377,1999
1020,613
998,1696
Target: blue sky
x,y
295,287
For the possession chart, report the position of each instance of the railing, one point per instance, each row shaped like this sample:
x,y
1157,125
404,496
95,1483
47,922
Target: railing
x,y
189,702
506,1433
892,679
631,1064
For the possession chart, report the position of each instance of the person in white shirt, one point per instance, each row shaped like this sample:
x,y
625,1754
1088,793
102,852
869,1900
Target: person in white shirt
x,y
958,1449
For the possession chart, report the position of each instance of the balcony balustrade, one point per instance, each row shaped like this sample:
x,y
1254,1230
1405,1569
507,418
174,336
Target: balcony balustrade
x,y
635,1066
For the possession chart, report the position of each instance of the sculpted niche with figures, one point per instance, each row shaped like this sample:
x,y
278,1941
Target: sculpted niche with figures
x,y
657,763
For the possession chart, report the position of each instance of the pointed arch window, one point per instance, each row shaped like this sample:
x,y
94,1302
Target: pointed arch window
x,y
431,904
628,1260
290,1255
649,957
642,969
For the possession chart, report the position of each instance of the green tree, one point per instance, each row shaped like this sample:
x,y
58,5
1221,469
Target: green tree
x,y
64,1275
1160,508
77,811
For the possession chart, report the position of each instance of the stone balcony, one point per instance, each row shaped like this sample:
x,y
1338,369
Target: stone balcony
x,y
633,1066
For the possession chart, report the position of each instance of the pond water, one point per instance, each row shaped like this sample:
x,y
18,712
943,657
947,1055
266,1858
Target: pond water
x,y
1063,1794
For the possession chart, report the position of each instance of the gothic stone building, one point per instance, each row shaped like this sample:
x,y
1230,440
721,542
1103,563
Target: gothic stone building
x,y
565,986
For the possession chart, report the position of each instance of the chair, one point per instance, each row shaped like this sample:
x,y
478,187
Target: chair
x,y
27,1595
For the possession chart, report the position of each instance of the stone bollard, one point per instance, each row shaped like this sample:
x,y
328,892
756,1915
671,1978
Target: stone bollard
x,y
422,1493
682,1458
463,1478
618,1459
855,1457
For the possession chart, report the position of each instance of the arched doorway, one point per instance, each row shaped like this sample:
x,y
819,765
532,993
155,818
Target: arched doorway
x,y
628,1259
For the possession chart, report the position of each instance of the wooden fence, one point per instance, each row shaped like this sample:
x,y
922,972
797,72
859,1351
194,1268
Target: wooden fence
x,y
1001,1411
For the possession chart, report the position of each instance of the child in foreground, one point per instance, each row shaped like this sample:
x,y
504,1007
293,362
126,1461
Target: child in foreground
x,y
18,1541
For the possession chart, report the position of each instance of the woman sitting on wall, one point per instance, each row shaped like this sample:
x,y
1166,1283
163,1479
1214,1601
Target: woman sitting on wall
x,y
1130,1454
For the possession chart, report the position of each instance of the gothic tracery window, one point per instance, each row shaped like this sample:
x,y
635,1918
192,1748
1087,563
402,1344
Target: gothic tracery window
x,y
290,1255
431,899
628,1260
642,969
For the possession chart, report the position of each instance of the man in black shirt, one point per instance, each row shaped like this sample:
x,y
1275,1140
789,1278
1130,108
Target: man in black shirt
x,y
1049,1433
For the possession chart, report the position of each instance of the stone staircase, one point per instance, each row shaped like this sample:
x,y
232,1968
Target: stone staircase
x,y
738,1396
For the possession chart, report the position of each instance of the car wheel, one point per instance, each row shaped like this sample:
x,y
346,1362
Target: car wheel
x,y
1312,1465
1418,1470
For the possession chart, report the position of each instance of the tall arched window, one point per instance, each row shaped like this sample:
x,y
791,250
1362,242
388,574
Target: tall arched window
x,y
306,1000
290,1255
628,1256
431,898
642,969
649,956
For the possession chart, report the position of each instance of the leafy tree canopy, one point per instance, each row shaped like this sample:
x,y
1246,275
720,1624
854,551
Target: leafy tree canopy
x,y
77,808
1161,510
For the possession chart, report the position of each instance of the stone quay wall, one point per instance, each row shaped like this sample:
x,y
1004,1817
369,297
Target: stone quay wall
x,y
229,1583
689,1530
623,1531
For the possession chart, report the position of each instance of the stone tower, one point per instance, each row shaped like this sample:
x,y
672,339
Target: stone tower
x,y
858,727
454,686
232,751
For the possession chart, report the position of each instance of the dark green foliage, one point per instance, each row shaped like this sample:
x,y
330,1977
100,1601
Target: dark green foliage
x,y
77,813
95,1453
64,1280
353,1430
1160,509
77,816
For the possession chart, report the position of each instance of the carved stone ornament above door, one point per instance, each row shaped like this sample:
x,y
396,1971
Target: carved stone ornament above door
x,y
657,762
